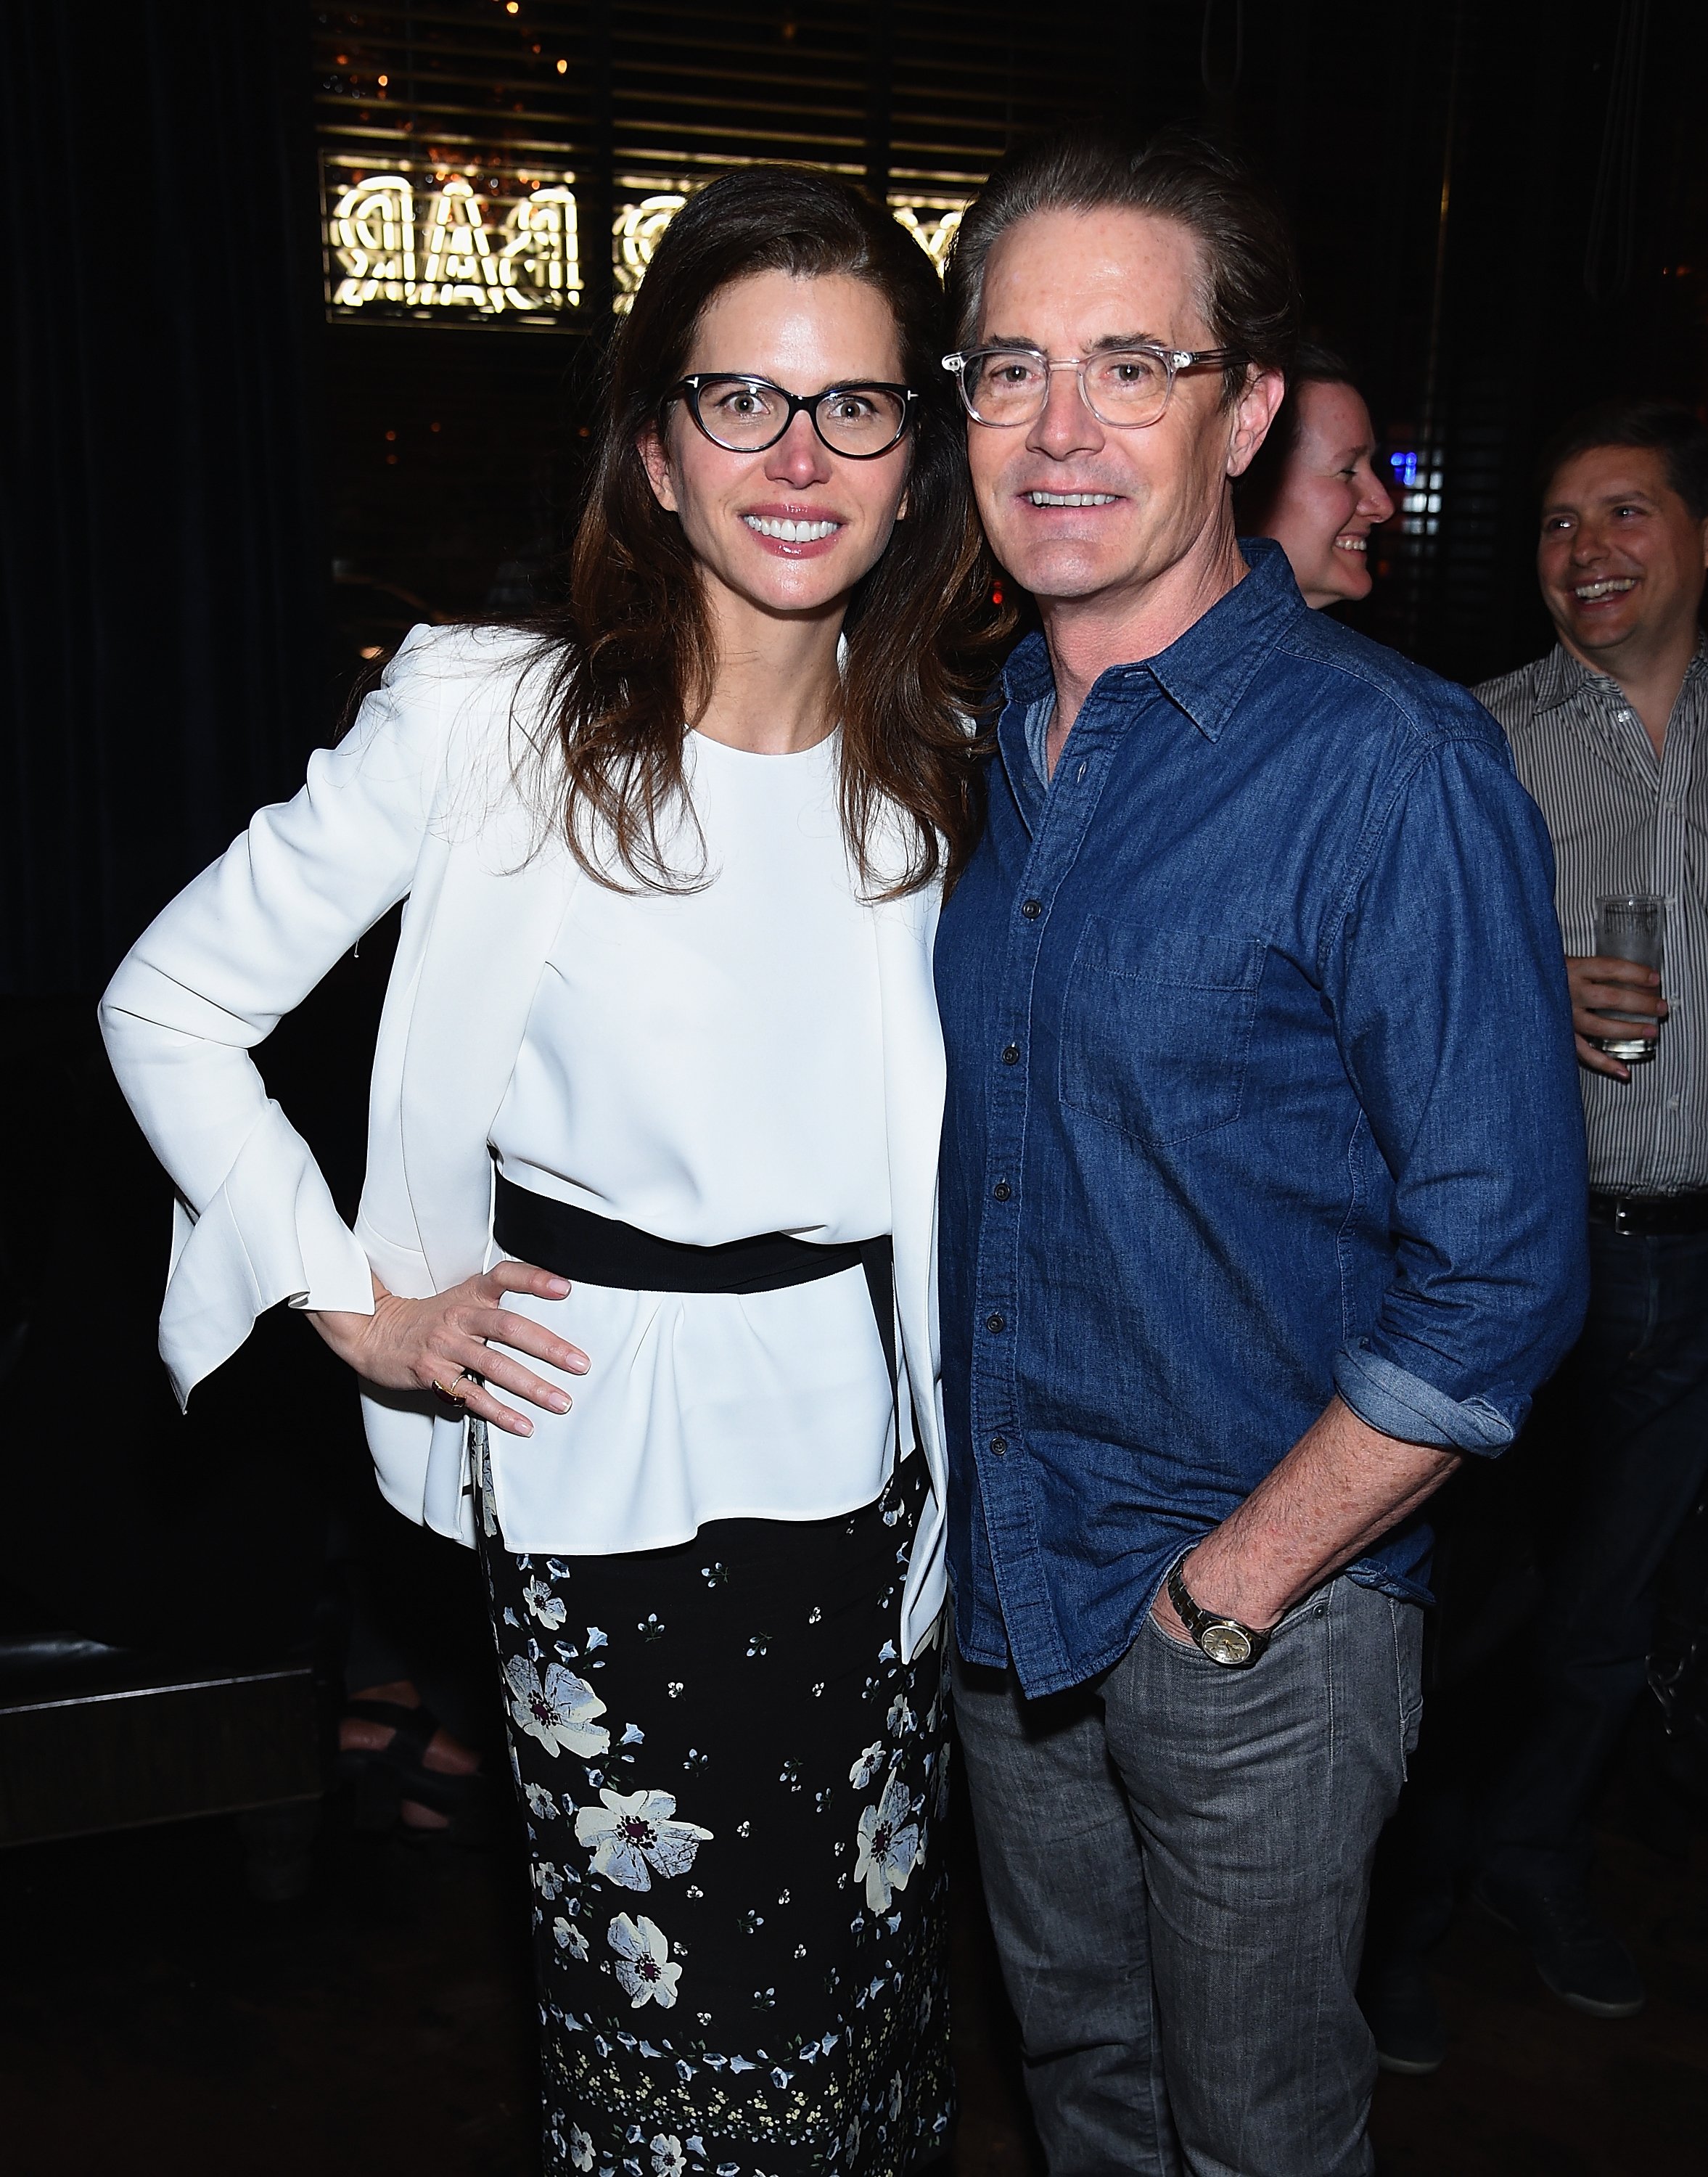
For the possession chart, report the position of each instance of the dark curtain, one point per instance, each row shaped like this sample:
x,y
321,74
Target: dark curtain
x,y
165,672
163,582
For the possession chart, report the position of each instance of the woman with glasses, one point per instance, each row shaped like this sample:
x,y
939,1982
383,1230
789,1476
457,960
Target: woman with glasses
x,y
641,1288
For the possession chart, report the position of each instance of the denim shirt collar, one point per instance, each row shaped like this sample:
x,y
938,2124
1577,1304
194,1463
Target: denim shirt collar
x,y
1205,671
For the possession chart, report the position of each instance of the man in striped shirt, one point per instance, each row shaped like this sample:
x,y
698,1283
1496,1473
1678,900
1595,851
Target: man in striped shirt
x,y
1609,732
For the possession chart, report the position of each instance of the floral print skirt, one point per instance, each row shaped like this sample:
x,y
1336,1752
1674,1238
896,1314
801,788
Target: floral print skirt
x,y
734,1789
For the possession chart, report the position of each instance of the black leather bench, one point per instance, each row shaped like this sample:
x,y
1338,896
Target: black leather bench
x,y
94,1738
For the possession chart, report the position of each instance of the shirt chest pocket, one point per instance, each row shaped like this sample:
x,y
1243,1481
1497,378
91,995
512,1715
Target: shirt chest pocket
x,y
1156,1029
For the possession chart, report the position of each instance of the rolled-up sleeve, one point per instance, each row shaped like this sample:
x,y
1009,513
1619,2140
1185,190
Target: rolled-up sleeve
x,y
1448,983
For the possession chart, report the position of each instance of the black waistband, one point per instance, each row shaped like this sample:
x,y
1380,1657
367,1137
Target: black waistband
x,y
598,1250
1649,1216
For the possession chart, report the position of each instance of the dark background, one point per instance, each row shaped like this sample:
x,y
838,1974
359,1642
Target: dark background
x,y
217,499
1502,212
214,500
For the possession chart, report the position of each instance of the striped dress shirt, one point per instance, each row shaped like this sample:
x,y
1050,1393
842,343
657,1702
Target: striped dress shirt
x,y
1623,821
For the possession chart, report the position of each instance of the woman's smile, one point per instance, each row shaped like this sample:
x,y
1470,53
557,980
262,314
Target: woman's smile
x,y
793,530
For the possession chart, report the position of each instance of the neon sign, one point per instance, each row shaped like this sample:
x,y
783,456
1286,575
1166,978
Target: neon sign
x,y
429,244
636,231
641,220
932,222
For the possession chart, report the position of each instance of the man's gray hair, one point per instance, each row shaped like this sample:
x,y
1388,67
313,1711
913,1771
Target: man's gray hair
x,y
1249,295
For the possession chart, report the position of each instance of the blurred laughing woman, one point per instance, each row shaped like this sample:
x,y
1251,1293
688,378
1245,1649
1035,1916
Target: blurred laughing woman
x,y
1313,484
641,1291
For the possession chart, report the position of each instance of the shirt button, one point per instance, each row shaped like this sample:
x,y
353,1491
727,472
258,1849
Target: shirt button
x,y
993,1323
1001,1190
999,1445
1032,909
1010,1053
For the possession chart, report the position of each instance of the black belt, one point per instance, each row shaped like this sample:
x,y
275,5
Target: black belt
x,y
1650,1216
598,1250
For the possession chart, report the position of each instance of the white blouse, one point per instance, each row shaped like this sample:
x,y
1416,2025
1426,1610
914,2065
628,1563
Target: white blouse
x,y
707,1066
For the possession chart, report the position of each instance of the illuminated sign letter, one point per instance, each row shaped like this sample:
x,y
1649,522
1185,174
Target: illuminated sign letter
x,y
932,222
458,265
541,267
635,235
372,235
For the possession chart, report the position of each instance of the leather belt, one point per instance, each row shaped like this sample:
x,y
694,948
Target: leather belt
x,y
1651,1216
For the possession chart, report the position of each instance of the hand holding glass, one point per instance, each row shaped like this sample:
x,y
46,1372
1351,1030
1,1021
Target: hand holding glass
x,y
1630,926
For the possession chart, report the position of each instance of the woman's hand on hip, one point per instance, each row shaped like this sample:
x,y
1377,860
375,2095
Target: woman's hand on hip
x,y
444,1342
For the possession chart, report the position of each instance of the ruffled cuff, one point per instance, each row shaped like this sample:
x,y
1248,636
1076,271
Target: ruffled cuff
x,y
1399,1404
270,1234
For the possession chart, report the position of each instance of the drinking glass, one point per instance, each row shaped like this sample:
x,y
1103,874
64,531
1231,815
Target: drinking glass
x,y
1630,926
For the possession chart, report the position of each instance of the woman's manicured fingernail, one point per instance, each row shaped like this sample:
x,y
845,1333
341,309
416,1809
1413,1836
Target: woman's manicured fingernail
x,y
558,1287
557,1403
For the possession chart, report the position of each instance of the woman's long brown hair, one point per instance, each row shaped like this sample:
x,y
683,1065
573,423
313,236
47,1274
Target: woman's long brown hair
x,y
629,656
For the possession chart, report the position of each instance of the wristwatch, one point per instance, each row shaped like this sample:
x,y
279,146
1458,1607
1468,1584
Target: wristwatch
x,y
1224,1640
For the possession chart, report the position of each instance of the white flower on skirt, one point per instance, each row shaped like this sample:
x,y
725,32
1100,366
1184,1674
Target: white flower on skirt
x,y
541,1805
560,1713
627,1832
668,2158
550,1609
568,1937
870,1761
643,1962
889,1846
581,2147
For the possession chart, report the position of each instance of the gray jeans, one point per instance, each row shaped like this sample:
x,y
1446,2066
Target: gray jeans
x,y
1176,1860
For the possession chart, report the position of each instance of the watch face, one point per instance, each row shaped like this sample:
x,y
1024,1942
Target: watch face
x,y
1226,1644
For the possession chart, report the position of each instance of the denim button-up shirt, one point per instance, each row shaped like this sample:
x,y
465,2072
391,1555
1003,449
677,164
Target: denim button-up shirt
x,y
1261,1086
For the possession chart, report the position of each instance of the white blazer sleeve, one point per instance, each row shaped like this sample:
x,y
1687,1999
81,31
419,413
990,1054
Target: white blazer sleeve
x,y
211,977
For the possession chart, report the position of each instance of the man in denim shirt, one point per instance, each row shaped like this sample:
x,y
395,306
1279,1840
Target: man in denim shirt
x,y
1263,1190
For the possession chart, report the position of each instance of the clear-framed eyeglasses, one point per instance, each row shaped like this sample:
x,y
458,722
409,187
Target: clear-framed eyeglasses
x,y
1127,387
744,415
